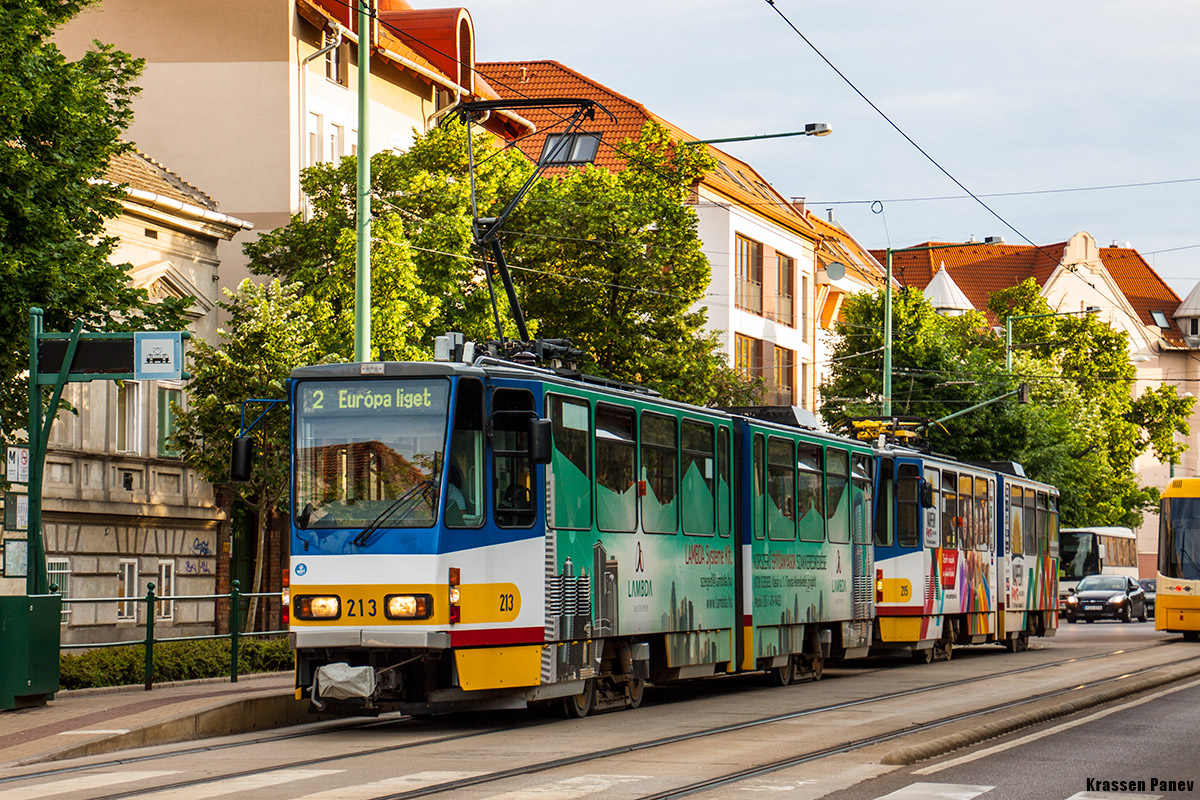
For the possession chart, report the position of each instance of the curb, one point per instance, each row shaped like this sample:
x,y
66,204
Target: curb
x,y
92,691
242,715
936,747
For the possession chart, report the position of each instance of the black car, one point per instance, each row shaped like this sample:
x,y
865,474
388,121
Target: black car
x,y
1106,597
1150,587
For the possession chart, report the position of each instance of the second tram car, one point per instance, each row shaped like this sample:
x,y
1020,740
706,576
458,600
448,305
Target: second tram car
x,y
489,534
1177,606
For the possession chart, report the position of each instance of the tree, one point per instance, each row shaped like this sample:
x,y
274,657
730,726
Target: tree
x,y
60,125
267,335
613,261
1083,428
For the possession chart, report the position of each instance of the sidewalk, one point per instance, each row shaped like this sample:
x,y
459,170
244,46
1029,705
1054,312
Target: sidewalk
x,y
93,721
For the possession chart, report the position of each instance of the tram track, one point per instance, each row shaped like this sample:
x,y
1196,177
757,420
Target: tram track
x,y
599,754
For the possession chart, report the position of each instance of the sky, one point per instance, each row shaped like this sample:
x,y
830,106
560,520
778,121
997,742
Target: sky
x,y
1020,99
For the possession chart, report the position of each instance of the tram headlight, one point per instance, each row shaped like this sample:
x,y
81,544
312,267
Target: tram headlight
x,y
318,606
408,606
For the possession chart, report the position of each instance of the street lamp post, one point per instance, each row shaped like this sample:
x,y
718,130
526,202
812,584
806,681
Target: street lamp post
x,y
1008,329
810,129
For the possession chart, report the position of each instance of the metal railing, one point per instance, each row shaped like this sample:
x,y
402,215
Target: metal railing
x,y
235,598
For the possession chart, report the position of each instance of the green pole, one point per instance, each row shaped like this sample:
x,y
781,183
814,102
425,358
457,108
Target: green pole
x,y
362,279
887,337
1008,345
33,531
235,602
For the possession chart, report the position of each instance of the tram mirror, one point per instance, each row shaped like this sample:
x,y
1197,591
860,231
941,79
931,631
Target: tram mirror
x,y
242,460
540,440
926,494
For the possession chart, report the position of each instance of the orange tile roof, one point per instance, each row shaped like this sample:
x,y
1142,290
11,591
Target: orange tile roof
x,y
524,79
139,171
981,270
839,245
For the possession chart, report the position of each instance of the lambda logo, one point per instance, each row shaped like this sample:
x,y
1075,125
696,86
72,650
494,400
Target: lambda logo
x,y
641,564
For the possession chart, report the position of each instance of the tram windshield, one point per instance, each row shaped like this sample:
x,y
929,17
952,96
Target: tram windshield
x,y
369,453
1179,538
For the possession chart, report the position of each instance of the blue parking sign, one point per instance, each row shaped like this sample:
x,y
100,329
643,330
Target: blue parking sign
x,y
158,355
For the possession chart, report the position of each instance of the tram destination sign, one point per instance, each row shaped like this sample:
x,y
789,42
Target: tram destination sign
x,y
373,397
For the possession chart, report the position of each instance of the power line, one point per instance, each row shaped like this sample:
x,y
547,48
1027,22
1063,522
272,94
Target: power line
x,y
1025,193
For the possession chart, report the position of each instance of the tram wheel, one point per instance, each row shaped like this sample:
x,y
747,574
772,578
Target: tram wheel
x,y
635,689
943,650
785,675
923,656
1191,636
816,666
580,705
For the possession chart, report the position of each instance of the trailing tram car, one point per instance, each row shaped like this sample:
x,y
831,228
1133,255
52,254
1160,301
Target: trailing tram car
x,y
1177,606
964,554
491,534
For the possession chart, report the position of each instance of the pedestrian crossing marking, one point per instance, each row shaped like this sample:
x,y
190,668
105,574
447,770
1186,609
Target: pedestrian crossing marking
x,y
81,783
570,788
364,791
242,783
937,791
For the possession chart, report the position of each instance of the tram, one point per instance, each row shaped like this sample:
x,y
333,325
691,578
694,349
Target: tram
x,y
477,533
1177,607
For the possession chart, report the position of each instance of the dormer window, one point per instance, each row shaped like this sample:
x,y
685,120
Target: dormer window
x,y
572,148
1160,319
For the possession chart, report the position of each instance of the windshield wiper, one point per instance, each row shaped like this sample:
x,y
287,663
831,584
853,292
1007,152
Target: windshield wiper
x,y
420,491
1195,569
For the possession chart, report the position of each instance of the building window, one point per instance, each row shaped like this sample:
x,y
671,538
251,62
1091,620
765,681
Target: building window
x,y
335,60
127,571
314,139
1160,319
336,142
785,376
748,267
804,308
570,148
168,423
128,417
748,356
785,282
58,570
165,588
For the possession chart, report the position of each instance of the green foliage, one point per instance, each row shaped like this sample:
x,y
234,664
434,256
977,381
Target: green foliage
x,y
173,661
60,124
1083,428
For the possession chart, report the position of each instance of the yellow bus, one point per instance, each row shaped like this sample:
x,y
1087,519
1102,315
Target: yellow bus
x,y
1177,608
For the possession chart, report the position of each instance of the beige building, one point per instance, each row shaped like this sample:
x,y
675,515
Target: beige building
x,y
120,509
240,96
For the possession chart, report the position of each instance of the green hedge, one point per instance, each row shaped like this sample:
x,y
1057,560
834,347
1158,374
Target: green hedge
x,y
173,661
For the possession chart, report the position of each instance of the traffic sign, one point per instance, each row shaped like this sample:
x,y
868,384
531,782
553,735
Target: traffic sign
x,y
17,459
158,355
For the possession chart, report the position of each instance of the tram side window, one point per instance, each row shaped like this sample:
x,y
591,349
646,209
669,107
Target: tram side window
x,y
781,489
908,529
512,473
616,496
885,505
1042,538
837,506
660,503
698,478
969,528
464,490
1029,525
983,518
811,494
758,501
950,520
1017,519
724,485
861,498
571,462
1052,526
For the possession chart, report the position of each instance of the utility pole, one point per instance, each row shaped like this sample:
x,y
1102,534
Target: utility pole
x,y
362,267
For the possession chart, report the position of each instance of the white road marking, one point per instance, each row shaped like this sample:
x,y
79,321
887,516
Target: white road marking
x,y
92,732
773,787
418,780
242,783
570,788
1033,737
83,783
937,791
